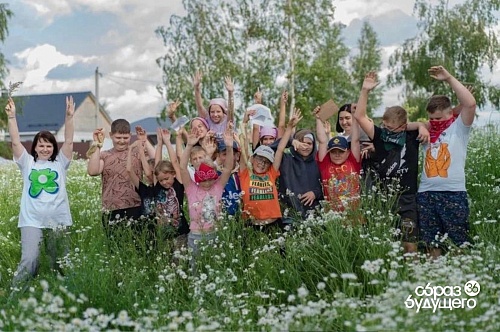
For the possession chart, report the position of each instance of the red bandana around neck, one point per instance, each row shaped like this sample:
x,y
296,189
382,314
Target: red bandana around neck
x,y
438,126
204,173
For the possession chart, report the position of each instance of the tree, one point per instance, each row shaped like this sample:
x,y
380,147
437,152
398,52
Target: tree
x,y
367,59
260,44
461,38
202,40
5,15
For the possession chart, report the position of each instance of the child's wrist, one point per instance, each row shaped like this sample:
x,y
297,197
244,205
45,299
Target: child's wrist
x,y
97,144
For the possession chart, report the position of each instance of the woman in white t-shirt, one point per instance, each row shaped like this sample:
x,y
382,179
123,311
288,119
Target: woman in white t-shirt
x,y
44,201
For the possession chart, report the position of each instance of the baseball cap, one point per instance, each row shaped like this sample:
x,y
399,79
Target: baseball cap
x,y
266,152
221,146
338,142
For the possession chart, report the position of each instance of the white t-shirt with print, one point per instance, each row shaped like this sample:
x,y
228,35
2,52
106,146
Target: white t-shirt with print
x,y
444,160
44,201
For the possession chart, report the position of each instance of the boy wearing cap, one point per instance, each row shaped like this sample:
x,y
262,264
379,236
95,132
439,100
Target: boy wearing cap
x,y
219,112
232,191
260,196
339,166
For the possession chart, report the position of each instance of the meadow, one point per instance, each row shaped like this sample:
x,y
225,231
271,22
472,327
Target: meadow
x,y
335,276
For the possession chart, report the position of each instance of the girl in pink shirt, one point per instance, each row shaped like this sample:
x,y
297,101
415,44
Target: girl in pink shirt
x,y
204,193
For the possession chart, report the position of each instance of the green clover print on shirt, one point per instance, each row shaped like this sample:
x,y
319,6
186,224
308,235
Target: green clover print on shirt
x,y
43,179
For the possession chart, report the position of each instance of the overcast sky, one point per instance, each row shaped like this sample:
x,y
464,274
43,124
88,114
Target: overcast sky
x,y
55,46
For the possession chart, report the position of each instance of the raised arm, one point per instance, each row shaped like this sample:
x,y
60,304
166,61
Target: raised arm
x,y
134,179
464,96
95,164
69,128
244,146
193,138
202,112
369,83
355,145
171,154
230,98
143,137
320,135
282,114
17,147
228,163
292,123
172,107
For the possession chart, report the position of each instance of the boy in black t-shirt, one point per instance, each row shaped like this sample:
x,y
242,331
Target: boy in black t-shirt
x,y
396,145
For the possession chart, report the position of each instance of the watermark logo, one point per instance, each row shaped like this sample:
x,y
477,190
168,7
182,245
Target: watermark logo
x,y
447,297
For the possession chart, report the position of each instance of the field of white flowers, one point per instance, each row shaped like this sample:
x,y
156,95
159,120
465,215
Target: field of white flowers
x,y
335,276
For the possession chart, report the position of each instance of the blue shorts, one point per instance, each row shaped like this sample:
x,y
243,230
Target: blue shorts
x,y
443,212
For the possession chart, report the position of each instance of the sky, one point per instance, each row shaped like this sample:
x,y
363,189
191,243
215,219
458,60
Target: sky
x,y
55,46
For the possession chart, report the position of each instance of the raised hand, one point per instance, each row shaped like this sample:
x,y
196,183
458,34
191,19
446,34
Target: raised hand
x,y
284,97
316,112
70,106
141,134
370,81
193,137
98,135
439,73
209,145
197,79
328,127
10,108
229,83
247,115
172,107
165,133
296,117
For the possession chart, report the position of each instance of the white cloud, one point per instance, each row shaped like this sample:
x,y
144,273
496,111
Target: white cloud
x,y
348,10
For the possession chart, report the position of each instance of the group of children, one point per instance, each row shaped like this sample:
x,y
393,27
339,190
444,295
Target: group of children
x,y
275,174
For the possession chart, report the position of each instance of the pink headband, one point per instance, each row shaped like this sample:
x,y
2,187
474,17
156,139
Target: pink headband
x,y
268,131
205,173
202,120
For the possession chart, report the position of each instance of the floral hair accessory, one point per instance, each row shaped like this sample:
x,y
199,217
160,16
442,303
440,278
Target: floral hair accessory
x,y
205,173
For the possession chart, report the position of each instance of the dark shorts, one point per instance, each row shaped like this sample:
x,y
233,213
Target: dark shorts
x,y
408,218
443,212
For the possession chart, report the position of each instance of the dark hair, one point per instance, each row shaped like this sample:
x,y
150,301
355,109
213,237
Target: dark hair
x,y
344,108
438,103
120,126
46,136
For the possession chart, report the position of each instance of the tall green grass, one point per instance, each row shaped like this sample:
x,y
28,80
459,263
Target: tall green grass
x,y
333,275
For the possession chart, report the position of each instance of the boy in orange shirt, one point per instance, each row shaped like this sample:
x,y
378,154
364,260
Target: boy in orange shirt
x,y
260,197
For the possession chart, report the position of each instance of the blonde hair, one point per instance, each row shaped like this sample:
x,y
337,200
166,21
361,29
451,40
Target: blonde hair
x,y
164,166
196,149
209,162
395,114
